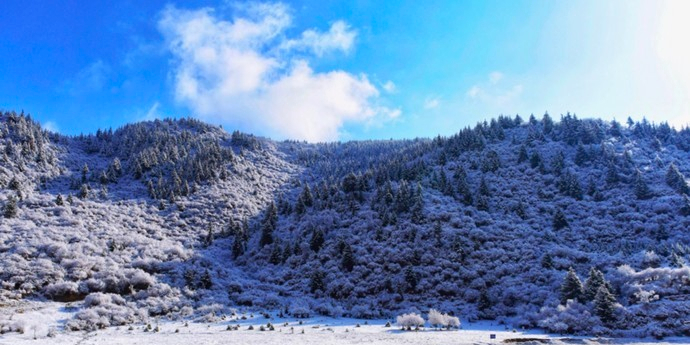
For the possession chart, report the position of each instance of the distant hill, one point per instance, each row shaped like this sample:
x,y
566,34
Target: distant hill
x,y
181,218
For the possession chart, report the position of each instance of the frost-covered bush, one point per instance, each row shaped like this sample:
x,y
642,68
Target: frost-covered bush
x,y
573,317
65,291
437,319
409,321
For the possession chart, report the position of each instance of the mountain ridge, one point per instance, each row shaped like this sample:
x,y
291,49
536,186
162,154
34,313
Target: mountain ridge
x,y
177,217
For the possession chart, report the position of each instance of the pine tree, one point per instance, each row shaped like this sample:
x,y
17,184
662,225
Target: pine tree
x,y
571,287
208,240
412,279
276,255
594,281
676,180
484,302
522,155
558,163
535,160
484,187
348,260
83,192
268,225
316,281
70,200
237,247
58,200
206,281
306,197
559,220
317,240
581,155
84,172
605,305
10,208
642,191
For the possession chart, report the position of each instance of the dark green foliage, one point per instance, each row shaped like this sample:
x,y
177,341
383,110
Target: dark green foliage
x,y
268,225
412,279
306,197
594,281
569,185
208,240
559,220
58,200
484,187
605,305
316,281
642,191
237,247
571,287
522,155
581,155
276,254
535,160
84,173
612,174
547,261
558,163
491,161
676,180
484,302
83,191
206,282
317,240
10,208
349,183
348,260
547,123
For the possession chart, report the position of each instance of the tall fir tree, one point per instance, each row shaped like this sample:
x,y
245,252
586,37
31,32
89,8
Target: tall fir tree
x,y
571,287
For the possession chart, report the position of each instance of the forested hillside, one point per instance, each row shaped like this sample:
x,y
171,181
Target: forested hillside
x,y
576,226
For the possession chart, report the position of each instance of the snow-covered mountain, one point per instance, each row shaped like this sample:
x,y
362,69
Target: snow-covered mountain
x,y
178,218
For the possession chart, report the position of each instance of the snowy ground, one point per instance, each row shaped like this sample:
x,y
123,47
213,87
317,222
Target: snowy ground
x,y
39,319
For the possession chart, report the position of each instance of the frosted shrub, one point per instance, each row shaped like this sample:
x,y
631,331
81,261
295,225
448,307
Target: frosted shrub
x,y
63,291
407,321
437,319
574,317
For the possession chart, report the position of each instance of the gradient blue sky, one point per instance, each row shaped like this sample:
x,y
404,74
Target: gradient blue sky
x,y
321,70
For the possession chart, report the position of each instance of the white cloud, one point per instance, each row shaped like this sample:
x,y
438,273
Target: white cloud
x,y
339,37
51,126
241,72
495,77
152,113
91,78
432,102
390,87
492,94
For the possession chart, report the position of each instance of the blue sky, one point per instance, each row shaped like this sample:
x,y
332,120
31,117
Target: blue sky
x,y
342,70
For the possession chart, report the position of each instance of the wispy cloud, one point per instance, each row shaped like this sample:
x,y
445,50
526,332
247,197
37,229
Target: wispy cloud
x,y
92,78
432,102
243,71
339,37
152,113
390,87
51,126
492,92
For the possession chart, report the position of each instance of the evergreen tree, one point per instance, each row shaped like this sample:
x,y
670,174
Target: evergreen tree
x,y
412,279
237,247
307,197
522,155
547,123
317,240
276,255
58,200
484,187
594,281
70,200
547,261
571,287
558,163
581,155
484,302
612,174
84,173
642,191
676,180
83,192
206,281
559,220
268,225
208,240
535,160
348,260
605,305
10,208
316,281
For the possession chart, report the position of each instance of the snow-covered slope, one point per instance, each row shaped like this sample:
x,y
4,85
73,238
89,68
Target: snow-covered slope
x,y
180,218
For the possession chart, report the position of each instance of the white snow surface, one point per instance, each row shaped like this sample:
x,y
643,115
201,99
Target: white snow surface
x,y
39,318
